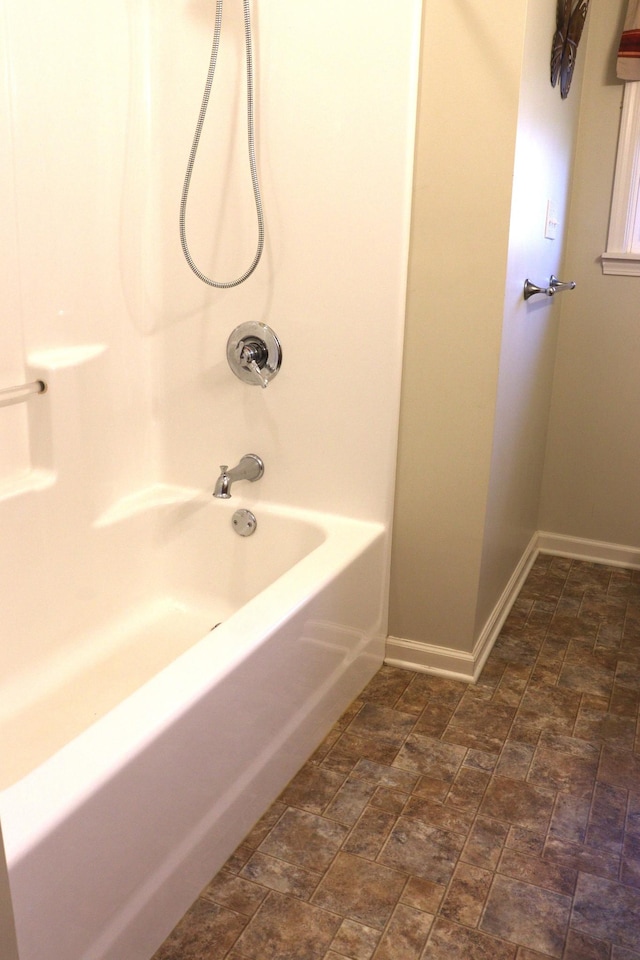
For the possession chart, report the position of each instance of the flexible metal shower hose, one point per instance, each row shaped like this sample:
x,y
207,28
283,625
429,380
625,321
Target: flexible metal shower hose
x,y
252,150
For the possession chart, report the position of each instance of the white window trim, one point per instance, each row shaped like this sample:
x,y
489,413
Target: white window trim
x,y
622,255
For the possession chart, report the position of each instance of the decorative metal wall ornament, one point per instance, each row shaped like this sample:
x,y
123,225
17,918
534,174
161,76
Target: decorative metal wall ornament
x,y
570,18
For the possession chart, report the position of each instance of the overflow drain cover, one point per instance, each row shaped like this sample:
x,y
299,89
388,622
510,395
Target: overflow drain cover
x,y
244,523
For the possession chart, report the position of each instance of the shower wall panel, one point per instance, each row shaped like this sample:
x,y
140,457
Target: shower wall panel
x,y
335,152
101,106
14,437
69,87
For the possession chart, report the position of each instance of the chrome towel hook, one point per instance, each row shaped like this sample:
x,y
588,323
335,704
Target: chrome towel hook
x,y
555,286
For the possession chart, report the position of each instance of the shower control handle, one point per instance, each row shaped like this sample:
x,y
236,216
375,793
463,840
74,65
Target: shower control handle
x,y
254,353
257,372
251,355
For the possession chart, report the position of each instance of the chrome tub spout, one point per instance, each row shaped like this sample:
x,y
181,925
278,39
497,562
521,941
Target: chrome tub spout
x,y
250,468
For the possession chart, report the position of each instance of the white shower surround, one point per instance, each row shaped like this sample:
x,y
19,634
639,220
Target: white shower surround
x,y
101,304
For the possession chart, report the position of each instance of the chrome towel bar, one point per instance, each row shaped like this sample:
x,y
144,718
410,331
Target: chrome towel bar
x,y
555,285
11,395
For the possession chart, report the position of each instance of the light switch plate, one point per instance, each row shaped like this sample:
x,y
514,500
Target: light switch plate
x,y
552,222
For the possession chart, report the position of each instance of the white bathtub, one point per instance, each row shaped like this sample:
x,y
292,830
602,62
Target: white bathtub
x,y
143,749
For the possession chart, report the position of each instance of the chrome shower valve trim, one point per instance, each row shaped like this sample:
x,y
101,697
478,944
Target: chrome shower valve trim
x,y
254,353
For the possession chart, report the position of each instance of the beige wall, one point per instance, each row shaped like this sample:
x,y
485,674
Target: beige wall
x,y
547,127
592,471
462,195
478,362
8,945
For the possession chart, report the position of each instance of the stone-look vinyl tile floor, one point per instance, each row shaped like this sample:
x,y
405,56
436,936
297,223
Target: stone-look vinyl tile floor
x,y
446,821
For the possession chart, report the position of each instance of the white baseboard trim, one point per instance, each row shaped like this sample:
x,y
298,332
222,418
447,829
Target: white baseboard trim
x,y
455,664
427,658
500,612
458,665
596,551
